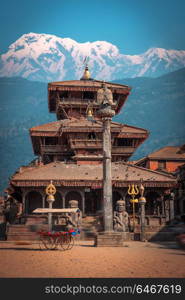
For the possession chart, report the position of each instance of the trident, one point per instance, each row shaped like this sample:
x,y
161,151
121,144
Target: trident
x,y
133,191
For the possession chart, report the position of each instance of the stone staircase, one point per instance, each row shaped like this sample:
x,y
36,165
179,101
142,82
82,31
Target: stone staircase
x,y
28,231
89,228
160,233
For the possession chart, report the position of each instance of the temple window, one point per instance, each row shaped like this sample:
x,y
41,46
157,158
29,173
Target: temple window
x,y
92,152
88,95
51,140
125,142
115,96
76,94
91,136
161,164
64,94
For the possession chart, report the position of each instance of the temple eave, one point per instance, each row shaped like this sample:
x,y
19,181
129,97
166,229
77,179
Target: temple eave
x,y
90,183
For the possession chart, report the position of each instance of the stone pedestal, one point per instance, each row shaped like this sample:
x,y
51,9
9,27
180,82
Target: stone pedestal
x,y
50,218
109,239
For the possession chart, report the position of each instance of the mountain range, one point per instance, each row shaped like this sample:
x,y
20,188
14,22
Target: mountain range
x,y
46,57
156,104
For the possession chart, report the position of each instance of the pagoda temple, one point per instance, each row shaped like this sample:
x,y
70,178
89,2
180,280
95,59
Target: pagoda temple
x,y
69,152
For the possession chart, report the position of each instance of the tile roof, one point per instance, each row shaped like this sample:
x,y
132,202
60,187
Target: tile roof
x,y
83,122
87,83
121,172
169,152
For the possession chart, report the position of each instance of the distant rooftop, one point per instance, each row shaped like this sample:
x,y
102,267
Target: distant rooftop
x,y
169,152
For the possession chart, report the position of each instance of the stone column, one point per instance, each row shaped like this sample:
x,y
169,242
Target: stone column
x,y
108,237
83,202
163,205
107,177
171,204
142,201
43,201
180,201
50,217
63,200
24,202
50,191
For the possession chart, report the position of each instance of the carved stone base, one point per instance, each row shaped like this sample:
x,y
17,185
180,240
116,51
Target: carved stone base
x,y
109,239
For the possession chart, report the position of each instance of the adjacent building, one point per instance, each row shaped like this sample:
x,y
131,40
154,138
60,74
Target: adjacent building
x,y
166,159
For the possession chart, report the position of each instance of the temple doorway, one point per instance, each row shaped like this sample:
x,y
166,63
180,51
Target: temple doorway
x,y
92,201
153,203
33,201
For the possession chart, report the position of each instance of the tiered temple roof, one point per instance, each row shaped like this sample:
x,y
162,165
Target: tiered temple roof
x,y
83,86
76,125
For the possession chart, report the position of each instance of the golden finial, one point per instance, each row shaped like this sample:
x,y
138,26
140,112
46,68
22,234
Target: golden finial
x,y
86,74
51,189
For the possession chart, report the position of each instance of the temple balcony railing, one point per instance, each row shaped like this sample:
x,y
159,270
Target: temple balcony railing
x,y
81,144
76,102
54,148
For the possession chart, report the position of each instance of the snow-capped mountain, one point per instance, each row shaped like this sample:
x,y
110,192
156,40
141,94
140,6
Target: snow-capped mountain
x,y
45,57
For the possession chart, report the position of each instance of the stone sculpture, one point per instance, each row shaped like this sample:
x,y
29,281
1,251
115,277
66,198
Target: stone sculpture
x,y
120,219
74,219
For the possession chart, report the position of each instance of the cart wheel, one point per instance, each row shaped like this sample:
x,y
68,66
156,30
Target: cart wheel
x,y
46,242
71,242
41,243
64,241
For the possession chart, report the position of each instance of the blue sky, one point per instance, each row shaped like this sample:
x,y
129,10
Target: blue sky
x,y
132,25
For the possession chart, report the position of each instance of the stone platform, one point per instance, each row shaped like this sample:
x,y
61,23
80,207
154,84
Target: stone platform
x,y
108,239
